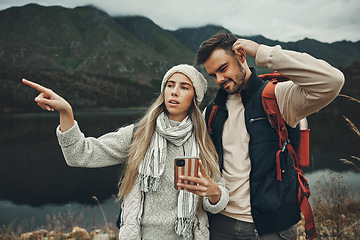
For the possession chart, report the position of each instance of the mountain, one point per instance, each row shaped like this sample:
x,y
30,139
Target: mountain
x,y
86,39
54,45
337,54
155,37
82,90
193,37
83,39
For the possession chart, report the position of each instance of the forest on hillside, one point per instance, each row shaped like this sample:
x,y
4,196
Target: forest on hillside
x,y
83,91
89,91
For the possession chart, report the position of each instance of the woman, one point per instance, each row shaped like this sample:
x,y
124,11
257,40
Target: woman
x,y
172,127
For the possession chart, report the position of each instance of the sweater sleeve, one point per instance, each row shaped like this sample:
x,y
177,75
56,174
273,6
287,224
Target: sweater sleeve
x,y
223,201
314,83
109,149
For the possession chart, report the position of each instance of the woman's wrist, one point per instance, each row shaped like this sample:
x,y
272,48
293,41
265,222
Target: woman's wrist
x,y
213,199
66,119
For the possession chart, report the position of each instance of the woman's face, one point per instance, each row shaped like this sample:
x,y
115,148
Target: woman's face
x,y
179,93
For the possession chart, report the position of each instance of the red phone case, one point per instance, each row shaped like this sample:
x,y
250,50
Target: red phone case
x,y
186,167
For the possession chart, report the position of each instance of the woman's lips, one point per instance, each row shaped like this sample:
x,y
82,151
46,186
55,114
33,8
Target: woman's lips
x,y
173,103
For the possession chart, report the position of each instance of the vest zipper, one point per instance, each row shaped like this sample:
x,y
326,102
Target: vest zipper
x,y
252,120
257,235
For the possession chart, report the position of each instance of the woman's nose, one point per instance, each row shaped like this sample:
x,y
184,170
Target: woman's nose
x,y
174,91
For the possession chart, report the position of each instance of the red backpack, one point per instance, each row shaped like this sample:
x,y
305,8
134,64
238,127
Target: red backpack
x,y
300,160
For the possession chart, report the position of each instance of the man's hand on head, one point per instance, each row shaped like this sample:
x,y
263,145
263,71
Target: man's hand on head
x,y
250,47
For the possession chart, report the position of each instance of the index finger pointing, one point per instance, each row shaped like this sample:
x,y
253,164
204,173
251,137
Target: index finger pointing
x,y
35,85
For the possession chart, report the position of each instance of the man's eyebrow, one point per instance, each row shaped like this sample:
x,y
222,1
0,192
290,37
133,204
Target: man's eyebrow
x,y
221,66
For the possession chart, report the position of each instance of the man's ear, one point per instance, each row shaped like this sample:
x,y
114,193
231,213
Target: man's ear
x,y
241,55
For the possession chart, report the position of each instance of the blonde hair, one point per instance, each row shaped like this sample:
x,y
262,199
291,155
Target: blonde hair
x,y
142,138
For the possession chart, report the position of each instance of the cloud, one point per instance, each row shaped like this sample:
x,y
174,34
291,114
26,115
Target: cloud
x,y
285,20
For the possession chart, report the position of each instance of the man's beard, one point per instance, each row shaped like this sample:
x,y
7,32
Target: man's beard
x,y
236,85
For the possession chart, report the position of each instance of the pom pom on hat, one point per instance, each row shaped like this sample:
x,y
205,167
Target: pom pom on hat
x,y
197,79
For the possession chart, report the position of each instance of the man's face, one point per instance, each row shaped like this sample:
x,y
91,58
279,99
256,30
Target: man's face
x,y
227,71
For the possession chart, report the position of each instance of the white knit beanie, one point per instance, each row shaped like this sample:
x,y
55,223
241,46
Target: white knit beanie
x,y
197,79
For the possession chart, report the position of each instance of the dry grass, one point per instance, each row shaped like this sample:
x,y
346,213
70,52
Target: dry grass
x,y
354,163
60,226
336,209
349,98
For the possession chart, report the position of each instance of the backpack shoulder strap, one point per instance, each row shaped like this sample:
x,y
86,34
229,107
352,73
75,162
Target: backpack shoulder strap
x,y
272,111
210,115
274,76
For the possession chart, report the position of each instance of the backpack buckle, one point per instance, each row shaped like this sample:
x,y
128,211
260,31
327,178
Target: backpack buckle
x,y
272,120
284,145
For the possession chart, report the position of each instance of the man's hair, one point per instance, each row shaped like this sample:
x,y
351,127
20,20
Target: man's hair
x,y
221,40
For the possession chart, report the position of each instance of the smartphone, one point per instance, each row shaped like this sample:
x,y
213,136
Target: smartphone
x,y
186,166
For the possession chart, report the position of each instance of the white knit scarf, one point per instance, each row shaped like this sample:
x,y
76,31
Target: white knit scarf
x,y
153,164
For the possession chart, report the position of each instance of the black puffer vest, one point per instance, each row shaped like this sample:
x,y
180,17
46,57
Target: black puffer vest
x,y
274,204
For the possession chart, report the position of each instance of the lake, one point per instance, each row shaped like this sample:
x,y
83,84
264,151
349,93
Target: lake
x,y
35,181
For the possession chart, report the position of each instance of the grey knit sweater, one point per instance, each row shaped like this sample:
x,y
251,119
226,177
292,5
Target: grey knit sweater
x,y
160,207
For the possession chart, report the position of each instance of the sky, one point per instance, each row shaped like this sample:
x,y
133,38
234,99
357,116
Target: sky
x,y
284,20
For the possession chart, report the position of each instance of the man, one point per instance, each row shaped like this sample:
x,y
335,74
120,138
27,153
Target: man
x,y
260,206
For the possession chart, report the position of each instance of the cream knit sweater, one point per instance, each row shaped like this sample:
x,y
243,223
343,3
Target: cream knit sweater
x,y
159,209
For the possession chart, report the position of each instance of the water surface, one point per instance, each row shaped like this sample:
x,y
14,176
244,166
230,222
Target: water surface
x,y
35,181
